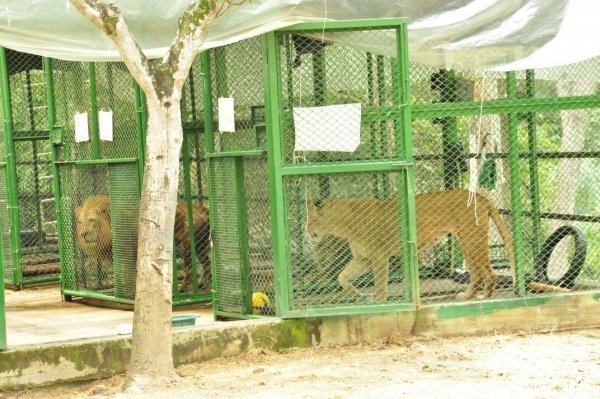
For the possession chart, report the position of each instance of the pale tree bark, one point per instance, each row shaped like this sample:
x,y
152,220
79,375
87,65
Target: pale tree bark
x,y
151,353
574,125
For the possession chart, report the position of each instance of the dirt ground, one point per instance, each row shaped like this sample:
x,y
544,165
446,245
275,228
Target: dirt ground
x,y
523,365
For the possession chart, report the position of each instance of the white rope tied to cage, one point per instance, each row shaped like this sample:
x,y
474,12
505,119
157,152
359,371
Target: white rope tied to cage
x,y
479,148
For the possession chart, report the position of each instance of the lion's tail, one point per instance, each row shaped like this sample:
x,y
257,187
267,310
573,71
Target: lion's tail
x,y
506,237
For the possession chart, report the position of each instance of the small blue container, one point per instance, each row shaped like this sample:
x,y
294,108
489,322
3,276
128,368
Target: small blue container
x,y
184,320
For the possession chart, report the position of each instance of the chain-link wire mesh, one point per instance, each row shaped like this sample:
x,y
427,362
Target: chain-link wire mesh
x,y
72,95
29,234
87,235
318,74
241,232
108,87
115,93
258,226
526,141
226,237
193,244
236,72
7,255
353,252
99,178
346,231
100,205
193,259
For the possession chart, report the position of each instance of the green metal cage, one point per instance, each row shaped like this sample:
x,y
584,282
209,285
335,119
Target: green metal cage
x,y
30,241
282,127
99,180
523,141
240,207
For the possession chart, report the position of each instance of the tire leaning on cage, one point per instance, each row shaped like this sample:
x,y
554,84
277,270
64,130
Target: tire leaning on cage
x,y
541,265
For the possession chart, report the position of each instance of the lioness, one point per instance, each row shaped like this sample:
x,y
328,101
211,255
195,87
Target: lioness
x,y
94,237
372,230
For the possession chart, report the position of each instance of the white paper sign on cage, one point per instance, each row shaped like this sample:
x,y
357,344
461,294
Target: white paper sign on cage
x,y
329,128
226,115
81,128
105,121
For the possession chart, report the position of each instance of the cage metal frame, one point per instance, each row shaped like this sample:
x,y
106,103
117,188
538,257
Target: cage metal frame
x,y
14,249
512,106
66,236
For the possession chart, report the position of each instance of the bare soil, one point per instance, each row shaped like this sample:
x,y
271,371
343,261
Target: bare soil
x,y
523,365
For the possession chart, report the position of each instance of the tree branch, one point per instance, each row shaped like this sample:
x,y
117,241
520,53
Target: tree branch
x,y
109,19
192,28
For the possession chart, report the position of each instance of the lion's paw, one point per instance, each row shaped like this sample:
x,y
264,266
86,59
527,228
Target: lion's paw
x,y
464,296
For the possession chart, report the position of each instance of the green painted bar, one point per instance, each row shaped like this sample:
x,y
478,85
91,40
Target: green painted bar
x,y
347,167
534,179
11,172
444,110
140,125
522,155
372,125
192,93
355,309
234,154
34,154
30,135
101,161
391,23
470,309
32,281
94,110
515,188
320,99
297,210
199,169
2,302
382,98
509,105
243,233
192,300
209,146
194,110
96,295
271,81
187,178
404,139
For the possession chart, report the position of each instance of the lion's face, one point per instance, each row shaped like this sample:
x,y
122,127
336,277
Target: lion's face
x,y
93,225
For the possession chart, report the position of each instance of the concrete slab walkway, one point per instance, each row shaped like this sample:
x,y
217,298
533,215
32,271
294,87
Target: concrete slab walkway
x,y
38,316
51,341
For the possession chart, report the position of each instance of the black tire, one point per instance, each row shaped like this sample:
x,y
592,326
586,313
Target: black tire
x,y
543,258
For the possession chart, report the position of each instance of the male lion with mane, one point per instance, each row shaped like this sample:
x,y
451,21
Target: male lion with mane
x,y
93,231
94,237
372,230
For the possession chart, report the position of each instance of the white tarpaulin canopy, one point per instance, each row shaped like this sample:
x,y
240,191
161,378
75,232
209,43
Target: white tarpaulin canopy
x,y
452,34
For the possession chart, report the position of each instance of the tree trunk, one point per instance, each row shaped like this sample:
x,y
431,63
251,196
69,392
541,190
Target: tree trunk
x,y
151,354
574,125
151,360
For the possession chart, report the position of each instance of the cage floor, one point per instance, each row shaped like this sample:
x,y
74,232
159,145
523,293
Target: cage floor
x,y
39,315
430,289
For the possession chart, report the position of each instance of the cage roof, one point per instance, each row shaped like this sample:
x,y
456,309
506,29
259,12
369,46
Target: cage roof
x,y
452,34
